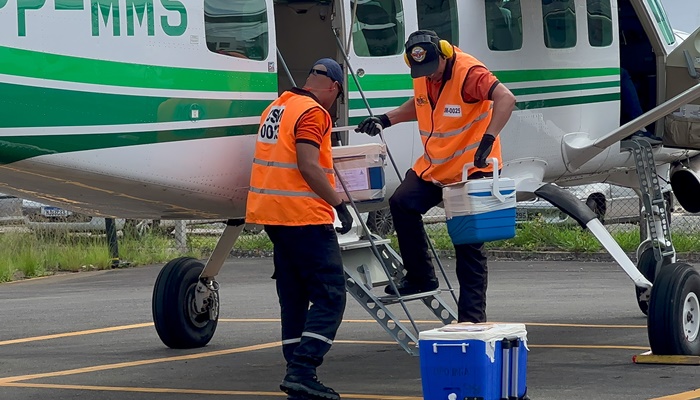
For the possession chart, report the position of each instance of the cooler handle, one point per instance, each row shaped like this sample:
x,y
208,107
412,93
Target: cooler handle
x,y
495,190
505,372
515,347
462,345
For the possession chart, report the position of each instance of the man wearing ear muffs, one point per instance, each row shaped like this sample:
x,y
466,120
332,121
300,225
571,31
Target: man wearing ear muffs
x,y
461,108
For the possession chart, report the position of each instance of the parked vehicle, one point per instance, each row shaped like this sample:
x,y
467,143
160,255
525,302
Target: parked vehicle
x,y
38,216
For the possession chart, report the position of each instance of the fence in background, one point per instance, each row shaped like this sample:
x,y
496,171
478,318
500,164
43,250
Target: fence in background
x,y
617,207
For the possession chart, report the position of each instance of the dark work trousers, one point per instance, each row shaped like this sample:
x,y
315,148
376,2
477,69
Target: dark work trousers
x,y
629,99
413,198
308,269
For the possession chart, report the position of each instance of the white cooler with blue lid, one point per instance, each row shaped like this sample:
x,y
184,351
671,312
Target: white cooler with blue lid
x,y
485,361
480,210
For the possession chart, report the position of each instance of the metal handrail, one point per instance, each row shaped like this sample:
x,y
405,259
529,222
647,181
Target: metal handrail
x,y
579,150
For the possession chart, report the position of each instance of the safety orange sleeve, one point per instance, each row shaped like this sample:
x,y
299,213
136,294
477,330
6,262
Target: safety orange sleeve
x,y
312,126
478,84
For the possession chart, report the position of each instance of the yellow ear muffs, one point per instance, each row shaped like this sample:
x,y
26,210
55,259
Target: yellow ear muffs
x,y
446,49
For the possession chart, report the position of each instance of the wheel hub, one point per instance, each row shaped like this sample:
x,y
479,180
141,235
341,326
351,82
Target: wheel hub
x,y
691,320
198,319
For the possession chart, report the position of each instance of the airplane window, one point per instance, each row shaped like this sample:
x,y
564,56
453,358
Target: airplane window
x,y
237,28
559,23
378,28
662,20
599,23
439,16
504,25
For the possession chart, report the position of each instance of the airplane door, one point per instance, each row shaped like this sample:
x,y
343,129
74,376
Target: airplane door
x,y
662,40
653,17
376,33
682,128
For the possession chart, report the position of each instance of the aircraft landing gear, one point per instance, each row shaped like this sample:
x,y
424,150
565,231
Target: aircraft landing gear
x,y
186,295
674,311
648,266
674,300
179,321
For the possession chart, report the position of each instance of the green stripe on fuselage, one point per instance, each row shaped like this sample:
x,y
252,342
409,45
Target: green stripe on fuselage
x,y
16,148
28,106
565,88
33,64
567,101
404,81
545,103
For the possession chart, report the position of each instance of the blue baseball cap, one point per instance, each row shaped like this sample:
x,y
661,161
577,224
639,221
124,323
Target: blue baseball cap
x,y
333,71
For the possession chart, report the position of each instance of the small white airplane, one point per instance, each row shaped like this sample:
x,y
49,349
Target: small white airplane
x,y
149,109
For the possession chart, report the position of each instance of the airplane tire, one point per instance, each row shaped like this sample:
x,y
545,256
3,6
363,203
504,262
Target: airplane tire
x,y
177,324
673,326
646,264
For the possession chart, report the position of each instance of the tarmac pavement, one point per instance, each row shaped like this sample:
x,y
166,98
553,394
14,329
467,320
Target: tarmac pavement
x,y
90,335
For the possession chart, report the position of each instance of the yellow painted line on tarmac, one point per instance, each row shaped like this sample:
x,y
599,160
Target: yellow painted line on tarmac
x,y
267,320
691,395
367,321
365,342
604,326
193,391
586,346
127,364
75,333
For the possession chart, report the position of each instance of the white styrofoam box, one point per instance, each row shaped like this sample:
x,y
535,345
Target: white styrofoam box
x,y
362,169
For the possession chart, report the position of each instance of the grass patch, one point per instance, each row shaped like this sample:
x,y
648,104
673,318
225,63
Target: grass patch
x,y
36,254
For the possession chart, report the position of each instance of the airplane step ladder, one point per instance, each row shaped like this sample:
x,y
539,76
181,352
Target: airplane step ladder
x,y
654,204
372,263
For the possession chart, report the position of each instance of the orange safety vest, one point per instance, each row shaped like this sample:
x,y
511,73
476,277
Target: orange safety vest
x,y
278,193
451,129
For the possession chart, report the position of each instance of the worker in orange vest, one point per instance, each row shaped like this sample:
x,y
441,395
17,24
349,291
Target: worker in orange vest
x,y
461,108
292,194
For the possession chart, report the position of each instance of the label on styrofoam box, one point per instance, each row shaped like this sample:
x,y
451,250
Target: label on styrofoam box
x,y
354,178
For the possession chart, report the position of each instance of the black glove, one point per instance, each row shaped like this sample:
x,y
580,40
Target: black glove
x,y
345,218
371,125
484,150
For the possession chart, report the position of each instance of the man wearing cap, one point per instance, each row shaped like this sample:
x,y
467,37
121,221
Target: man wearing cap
x,y
461,108
292,194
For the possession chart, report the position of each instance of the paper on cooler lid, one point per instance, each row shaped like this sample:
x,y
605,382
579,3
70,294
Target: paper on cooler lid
x,y
486,332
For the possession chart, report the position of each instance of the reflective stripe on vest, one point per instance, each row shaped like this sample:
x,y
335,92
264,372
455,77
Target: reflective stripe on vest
x,y
284,193
450,128
285,165
278,194
460,130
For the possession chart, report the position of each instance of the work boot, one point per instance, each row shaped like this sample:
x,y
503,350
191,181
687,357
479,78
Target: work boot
x,y
406,286
653,140
307,387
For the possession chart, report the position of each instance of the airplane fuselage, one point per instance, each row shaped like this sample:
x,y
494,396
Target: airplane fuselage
x,y
150,109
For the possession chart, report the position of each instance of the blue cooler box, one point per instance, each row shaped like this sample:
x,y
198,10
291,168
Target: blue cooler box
x,y
480,210
474,361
